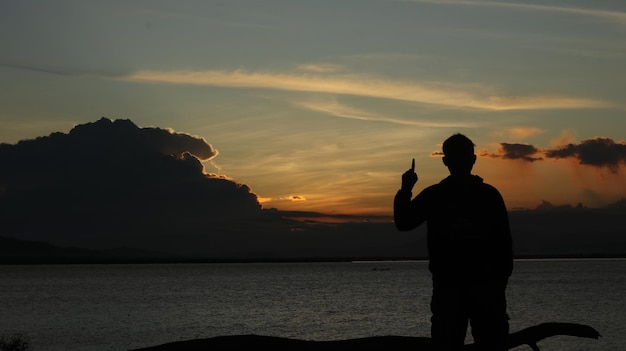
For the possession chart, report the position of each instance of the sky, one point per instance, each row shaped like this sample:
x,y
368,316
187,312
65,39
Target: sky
x,y
321,105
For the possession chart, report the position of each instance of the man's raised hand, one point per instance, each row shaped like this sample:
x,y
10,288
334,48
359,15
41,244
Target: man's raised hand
x,y
409,178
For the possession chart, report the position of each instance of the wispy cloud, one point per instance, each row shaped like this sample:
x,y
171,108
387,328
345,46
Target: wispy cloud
x,y
542,102
604,14
450,95
321,67
336,109
518,133
288,198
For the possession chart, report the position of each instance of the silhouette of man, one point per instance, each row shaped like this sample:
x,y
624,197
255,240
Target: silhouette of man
x,y
469,247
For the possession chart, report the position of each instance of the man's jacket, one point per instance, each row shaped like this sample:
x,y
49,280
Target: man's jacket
x,y
469,238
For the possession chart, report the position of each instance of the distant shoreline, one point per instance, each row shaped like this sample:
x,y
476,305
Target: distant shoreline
x,y
83,261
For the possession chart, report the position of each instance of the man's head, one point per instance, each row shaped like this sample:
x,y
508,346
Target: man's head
x,y
459,157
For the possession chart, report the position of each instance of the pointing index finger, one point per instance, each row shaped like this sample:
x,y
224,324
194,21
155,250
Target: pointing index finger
x,y
413,165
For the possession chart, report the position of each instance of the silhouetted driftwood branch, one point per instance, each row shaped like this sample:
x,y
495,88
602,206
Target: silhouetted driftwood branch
x,y
529,336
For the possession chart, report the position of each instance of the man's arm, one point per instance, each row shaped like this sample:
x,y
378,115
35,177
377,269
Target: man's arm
x,y
406,213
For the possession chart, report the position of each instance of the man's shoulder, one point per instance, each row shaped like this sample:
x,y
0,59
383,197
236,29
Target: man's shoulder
x,y
490,187
489,191
432,188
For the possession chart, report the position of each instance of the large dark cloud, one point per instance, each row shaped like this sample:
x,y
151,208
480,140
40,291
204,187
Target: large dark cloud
x,y
597,152
519,151
111,176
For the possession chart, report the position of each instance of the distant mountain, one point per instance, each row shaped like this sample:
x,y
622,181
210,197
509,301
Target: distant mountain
x,y
553,232
24,251
16,251
567,231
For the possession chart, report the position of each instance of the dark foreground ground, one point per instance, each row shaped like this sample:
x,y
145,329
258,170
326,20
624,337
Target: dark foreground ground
x,y
529,336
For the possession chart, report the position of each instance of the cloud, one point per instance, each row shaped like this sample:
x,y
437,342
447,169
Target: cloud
x,y
519,133
321,67
566,137
516,151
289,198
458,96
112,176
597,152
542,103
170,143
450,95
336,109
296,198
603,14
128,135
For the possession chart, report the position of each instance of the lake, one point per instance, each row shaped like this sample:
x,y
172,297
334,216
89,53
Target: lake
x,y
121,307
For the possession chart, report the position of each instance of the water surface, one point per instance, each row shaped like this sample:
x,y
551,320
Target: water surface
x,y
120,307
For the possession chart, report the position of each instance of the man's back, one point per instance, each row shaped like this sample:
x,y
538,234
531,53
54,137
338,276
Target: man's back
x,y
468,231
